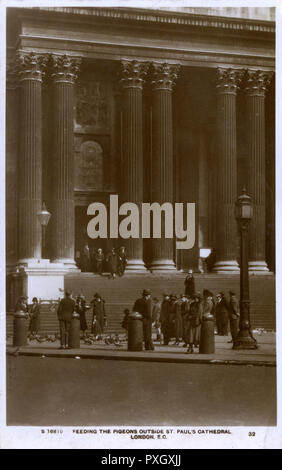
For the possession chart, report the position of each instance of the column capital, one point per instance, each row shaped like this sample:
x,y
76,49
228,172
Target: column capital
x,y
228,80
65,68
133,73
164,75
31,66
257,82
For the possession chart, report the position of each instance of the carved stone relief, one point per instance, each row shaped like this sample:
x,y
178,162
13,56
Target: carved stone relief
x,y
92,104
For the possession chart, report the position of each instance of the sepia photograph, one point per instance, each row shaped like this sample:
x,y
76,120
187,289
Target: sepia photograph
x,y
139,222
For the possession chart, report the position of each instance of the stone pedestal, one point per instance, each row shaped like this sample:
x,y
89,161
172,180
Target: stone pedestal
x,y
164,77
65,69
133,73
40,279
257,83
227,234
31,70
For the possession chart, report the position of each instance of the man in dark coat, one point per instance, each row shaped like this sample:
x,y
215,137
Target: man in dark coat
x,y
113,260
122,261
164,319
234,316
99,260
221,314
144,307
64,312
189,284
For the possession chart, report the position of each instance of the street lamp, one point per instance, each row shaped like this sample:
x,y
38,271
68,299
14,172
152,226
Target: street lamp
x,y
44,217
244,213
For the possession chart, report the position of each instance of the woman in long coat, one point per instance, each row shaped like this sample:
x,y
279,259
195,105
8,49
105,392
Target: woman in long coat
x,y
195,320
99,316
34,314
80,307
178,326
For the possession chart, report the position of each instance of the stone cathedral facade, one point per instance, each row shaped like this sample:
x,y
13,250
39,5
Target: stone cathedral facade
x,y
155,106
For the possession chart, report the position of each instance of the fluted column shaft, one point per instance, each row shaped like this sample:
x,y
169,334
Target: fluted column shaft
x,y
31,71
164,77
227,237
133,73
257,83
64,75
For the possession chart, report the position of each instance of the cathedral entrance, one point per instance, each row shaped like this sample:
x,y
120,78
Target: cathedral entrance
x,y
84,246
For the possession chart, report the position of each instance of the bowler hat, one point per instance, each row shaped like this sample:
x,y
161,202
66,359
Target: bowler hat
x,y
146,292
97,296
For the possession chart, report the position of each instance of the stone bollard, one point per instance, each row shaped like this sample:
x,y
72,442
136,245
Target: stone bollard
x,y
20,328
74,334
207,335
135,332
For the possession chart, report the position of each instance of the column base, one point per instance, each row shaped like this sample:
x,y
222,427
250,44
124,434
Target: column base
x,y
135,265
69,264
38,278
162,265
226,267
258,267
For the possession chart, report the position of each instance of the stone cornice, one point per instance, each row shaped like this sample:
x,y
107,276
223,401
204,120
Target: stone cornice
x,y
157,17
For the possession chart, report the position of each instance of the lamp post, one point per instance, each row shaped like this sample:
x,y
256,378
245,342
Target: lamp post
x,y
244,213
44,217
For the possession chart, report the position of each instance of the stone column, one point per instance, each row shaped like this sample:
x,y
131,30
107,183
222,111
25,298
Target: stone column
x,y
257,83
133,73
163,80
226,227
65,69
31,70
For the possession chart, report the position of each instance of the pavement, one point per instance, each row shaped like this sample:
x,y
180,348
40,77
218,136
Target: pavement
x,y
264,355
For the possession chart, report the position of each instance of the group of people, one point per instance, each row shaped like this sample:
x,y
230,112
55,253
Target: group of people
x,y
177,318
96,261
68,305
180,318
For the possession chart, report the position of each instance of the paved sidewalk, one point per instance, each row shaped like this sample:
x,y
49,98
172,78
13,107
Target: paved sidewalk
x,y
224,354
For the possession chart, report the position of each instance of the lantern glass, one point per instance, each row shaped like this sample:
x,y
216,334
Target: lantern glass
x,y
246,211
44,216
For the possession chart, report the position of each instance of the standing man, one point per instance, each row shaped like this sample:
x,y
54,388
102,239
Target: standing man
x,y
234,316
144,307
99,260
64,312
221,314
122,261
164,318
189,284
113,259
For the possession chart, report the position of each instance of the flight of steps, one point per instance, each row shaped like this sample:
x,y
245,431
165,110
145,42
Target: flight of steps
x,y
121,293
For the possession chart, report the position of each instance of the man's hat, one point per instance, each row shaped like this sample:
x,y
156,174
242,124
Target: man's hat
x,y
231,292
165,295
97,296
68,293
207,293
146,292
